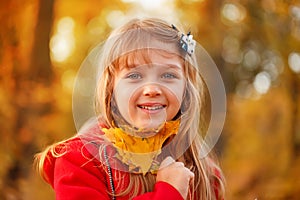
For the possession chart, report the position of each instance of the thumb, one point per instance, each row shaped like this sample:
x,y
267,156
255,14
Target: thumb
x,y
166,162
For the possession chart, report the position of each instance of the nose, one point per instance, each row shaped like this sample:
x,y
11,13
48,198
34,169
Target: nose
x,y
152,90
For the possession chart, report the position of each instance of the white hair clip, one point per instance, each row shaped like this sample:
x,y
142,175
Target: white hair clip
x,y
187,43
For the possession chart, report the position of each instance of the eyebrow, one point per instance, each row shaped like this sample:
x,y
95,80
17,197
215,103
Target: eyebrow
x,y
168,65
171,66
174,66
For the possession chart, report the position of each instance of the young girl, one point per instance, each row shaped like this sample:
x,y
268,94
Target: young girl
x,y
145,141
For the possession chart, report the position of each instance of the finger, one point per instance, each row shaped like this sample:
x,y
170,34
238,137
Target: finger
x,y
166,162
179,164
192,178
190,173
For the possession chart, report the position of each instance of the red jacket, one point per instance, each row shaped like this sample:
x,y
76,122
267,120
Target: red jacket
x,y
78,175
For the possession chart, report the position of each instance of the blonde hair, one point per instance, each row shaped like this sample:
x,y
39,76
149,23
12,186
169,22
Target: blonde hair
x,y
112,55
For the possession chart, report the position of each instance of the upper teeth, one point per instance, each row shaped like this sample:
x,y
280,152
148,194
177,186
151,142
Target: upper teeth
x,y
151,107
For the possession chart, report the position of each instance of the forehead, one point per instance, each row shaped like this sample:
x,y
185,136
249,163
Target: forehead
x,y
150,56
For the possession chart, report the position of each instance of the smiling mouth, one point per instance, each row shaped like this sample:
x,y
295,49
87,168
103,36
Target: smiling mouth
x,y
152,108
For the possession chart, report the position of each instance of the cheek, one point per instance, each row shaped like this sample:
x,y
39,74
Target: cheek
x,y
125,98
178,92
175,98
121,98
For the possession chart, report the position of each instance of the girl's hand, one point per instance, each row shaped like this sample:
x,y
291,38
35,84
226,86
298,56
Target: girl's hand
x,y
176,174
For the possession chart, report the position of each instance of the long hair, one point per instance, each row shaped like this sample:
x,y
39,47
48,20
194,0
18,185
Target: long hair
x,y
132,41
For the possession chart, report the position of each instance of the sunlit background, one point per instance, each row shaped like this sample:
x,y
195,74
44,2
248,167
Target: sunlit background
x,y
256,45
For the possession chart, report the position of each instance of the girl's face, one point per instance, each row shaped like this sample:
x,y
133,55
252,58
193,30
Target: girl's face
x,y
148,93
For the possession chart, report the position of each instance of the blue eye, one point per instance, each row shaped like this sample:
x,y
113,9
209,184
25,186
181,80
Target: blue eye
x,y
169,76
134,76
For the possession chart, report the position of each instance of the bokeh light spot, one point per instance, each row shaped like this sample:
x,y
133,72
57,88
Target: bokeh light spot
x,y
294,62
62,43
262,82
115,18
251,59
231,52
233,12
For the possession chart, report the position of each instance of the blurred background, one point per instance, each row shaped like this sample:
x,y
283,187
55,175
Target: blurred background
x,y
256,45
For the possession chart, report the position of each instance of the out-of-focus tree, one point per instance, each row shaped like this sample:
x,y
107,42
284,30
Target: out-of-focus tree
x,y
259,57
26,80
254,43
